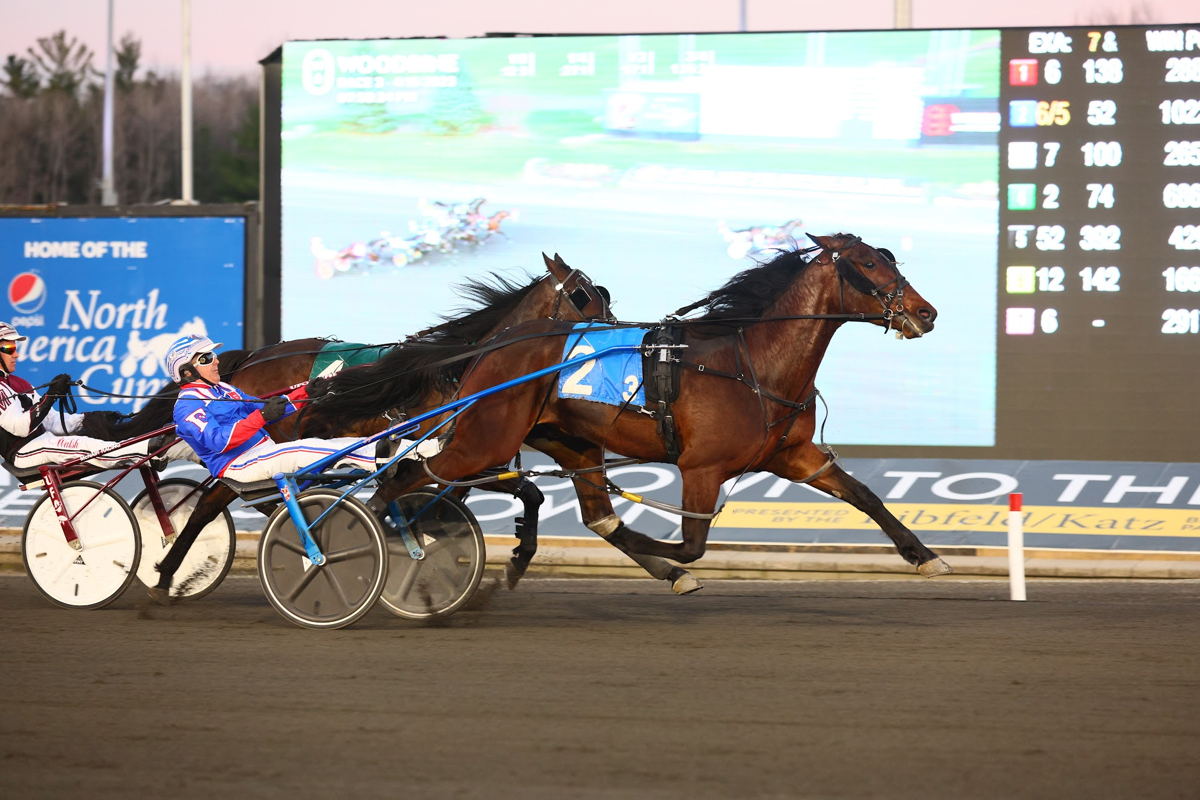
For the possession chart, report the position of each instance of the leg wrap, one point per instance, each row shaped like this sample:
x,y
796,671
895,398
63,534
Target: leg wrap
x,y
605,525
526,532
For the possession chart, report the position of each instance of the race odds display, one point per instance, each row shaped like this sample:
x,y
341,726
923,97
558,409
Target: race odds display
x,y
1100,240
1040,187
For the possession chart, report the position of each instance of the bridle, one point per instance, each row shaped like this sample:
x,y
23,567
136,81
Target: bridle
x,y
890,295
580,297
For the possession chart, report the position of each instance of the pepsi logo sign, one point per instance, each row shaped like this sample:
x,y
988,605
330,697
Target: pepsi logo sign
x,y
27,292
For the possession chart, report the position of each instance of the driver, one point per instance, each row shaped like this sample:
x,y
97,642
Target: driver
x,y
226,426
30,435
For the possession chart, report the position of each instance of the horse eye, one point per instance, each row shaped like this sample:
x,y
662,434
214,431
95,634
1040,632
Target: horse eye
x,y
869,265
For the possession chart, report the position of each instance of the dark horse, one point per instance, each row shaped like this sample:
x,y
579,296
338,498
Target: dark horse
x,y
562,293
746,392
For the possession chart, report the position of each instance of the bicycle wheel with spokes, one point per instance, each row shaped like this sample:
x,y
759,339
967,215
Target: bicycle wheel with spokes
x,y
341,590
208,559
96,574
455,555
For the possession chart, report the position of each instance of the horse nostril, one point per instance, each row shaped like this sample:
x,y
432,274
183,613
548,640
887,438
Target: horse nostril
x,y
929,314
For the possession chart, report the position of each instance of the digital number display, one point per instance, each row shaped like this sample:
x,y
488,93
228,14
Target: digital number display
x,y
1099,340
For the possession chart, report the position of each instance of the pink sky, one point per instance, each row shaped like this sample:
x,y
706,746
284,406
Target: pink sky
x,y
230,36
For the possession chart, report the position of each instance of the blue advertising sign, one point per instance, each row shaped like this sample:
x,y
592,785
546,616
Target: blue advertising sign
x,y
102,298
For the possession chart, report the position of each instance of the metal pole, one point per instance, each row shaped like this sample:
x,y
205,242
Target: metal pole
x,y
742,15
185,105
903,13
108,195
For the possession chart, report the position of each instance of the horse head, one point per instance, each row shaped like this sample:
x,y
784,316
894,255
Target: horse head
x,y
582,296
879,288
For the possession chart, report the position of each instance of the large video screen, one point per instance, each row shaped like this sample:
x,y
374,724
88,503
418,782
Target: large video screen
x,y
661,165
1040,187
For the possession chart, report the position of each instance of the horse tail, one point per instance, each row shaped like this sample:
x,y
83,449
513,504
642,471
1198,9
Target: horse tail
x,y
114,426
401,379
232,361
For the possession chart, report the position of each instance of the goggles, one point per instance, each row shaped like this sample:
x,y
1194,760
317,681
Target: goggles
x,y
8,348
204,359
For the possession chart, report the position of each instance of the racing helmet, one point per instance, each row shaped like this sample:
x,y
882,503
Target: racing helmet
x,y
9,334
183,350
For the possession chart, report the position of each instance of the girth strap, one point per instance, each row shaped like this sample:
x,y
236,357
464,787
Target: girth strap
x,y
799,407
661,371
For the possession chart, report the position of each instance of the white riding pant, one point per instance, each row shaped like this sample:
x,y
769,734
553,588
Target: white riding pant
x,y
263,461
51,448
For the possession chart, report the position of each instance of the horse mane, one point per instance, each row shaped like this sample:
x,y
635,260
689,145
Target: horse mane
x,y
748,294
494,297
232,361
407,374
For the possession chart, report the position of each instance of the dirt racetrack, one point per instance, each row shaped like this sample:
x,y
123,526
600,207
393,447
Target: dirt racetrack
x,y
615,688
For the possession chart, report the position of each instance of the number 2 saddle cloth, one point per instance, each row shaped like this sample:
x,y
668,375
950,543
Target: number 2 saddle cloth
x,y
614,379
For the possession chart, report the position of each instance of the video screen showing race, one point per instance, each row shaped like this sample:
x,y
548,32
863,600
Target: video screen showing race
x,y
662,165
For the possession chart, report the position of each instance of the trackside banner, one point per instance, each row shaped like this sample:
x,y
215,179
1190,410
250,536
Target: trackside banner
x,y
1117,506
1074,504
102,298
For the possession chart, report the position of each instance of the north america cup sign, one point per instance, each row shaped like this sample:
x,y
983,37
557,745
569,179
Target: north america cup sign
x,y
102,299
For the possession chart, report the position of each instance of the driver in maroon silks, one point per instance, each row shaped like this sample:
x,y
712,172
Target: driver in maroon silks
x,y
30,435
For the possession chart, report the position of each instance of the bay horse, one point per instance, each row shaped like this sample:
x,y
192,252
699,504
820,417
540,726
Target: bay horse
x,y
746,397
563,292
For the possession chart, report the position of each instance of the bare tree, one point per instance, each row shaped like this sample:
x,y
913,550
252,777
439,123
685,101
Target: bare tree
x,y
147,142
52,111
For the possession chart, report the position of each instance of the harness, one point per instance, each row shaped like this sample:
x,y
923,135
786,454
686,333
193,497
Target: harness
x,y
662,365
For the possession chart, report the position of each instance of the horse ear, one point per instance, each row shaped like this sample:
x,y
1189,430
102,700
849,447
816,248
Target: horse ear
x,y
559,260
546,258
817,239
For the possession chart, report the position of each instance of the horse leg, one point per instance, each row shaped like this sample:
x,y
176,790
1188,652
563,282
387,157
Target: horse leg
x,y
700,490
531,498
214,500
801,464
474,448
595,506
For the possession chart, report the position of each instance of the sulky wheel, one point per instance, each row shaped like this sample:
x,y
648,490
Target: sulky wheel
x,y
338,592
96,574
454,557
208,559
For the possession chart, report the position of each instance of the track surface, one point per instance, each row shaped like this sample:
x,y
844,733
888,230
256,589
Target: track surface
x,y
606,688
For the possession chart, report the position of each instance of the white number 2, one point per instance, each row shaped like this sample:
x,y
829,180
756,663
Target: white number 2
x,y
574,384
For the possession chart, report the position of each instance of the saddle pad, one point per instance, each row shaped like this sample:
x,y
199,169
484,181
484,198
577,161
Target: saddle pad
x,y
615,379
336,356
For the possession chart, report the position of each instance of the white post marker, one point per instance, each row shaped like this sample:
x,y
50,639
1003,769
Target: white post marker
x,y
1016,548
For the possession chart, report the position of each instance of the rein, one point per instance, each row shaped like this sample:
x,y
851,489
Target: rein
x,y
887,315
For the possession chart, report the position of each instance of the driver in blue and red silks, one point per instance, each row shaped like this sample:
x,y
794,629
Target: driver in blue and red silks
x,y
227,429
226,426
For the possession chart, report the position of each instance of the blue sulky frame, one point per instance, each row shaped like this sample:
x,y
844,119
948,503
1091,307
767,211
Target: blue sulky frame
x,y
292,483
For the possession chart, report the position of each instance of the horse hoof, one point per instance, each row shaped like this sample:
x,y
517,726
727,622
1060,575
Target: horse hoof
x,y
512,575
934,567
686,584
